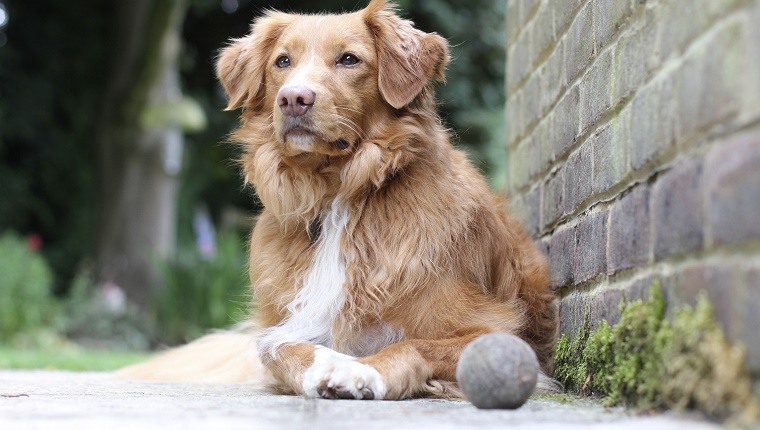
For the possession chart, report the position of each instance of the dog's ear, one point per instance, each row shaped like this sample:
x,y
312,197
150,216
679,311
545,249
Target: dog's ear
x,y
407,58
241,67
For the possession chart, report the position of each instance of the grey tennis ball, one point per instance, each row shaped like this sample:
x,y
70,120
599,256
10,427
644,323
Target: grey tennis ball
x,y
498,371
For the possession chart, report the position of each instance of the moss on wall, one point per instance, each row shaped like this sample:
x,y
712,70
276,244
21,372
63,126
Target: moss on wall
x,y
647,361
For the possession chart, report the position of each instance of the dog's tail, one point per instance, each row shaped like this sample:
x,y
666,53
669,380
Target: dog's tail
x,y
225,356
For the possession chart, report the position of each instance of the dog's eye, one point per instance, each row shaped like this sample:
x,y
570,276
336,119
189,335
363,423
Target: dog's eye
x,y
349,60
282,62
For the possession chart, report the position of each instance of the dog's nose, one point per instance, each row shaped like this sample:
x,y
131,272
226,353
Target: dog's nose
x,y
296,100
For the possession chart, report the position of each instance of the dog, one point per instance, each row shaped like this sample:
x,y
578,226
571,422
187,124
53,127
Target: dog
x,y
381,252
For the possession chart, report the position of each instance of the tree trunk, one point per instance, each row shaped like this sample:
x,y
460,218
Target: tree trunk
x,y
140,146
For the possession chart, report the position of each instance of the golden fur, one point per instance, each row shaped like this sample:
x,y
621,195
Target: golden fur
x,y
432,259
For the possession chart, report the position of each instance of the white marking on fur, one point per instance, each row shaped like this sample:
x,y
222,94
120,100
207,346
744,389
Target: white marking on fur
x,y
320,299
342,373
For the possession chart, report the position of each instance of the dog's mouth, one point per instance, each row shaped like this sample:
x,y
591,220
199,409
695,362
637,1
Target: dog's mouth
x,y
301,133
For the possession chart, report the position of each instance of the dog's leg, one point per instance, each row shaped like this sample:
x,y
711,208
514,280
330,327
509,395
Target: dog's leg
x,y
317,371
402,370
409,368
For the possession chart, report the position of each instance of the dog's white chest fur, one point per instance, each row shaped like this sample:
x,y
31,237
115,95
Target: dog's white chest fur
x,y
322,296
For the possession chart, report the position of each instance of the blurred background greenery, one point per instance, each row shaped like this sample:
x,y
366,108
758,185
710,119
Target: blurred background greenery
x,y
113,162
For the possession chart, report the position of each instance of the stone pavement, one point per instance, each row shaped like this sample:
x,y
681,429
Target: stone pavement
x,y
67,400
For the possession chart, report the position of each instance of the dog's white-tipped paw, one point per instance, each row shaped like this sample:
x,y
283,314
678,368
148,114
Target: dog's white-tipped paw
x,y
338,376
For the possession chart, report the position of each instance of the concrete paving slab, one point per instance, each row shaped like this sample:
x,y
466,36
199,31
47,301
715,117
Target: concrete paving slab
x,y
70,400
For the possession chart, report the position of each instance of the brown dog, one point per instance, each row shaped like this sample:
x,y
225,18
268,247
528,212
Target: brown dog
x,y
378,240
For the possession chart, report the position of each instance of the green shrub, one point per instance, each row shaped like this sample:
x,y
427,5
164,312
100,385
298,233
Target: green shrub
x,y
27,303
201,293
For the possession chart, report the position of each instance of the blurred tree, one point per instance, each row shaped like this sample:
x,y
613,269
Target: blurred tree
x,y
140,144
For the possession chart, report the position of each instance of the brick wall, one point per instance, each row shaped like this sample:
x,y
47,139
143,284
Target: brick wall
x,y
633,134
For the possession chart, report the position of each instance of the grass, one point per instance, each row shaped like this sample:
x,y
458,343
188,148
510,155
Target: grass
x,y
71,358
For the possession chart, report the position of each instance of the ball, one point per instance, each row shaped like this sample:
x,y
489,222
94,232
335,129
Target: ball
x,y
498,371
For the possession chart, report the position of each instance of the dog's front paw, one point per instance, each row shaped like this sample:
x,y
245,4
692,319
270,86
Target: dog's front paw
x,y
338,376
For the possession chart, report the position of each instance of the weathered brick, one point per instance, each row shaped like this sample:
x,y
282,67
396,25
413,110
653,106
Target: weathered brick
x,y
751,75
640,288
632,61
595,91
511,74
552,78
565,119
553,199
526,9
733,182
609,16
580,43
673,39
519,165
709,90
571,313
542,138
561,248
543,33
535,162
611,299
652,131
512,25
751,334
721,95
578,177
610,156
629,234
590,256
531,100
532,205
720,284
520,64
514,119
677,210
564,12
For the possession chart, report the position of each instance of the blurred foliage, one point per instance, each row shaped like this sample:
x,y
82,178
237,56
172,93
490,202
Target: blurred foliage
x,y
200,293
24,278
94,319
473,97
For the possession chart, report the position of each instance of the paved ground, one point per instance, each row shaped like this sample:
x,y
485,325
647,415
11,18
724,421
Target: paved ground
x,y
65,400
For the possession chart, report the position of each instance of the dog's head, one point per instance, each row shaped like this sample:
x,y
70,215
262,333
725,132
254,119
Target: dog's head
x,y
323,84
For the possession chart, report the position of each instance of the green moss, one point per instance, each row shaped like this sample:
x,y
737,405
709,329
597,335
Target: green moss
x,y
645,361
557,398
